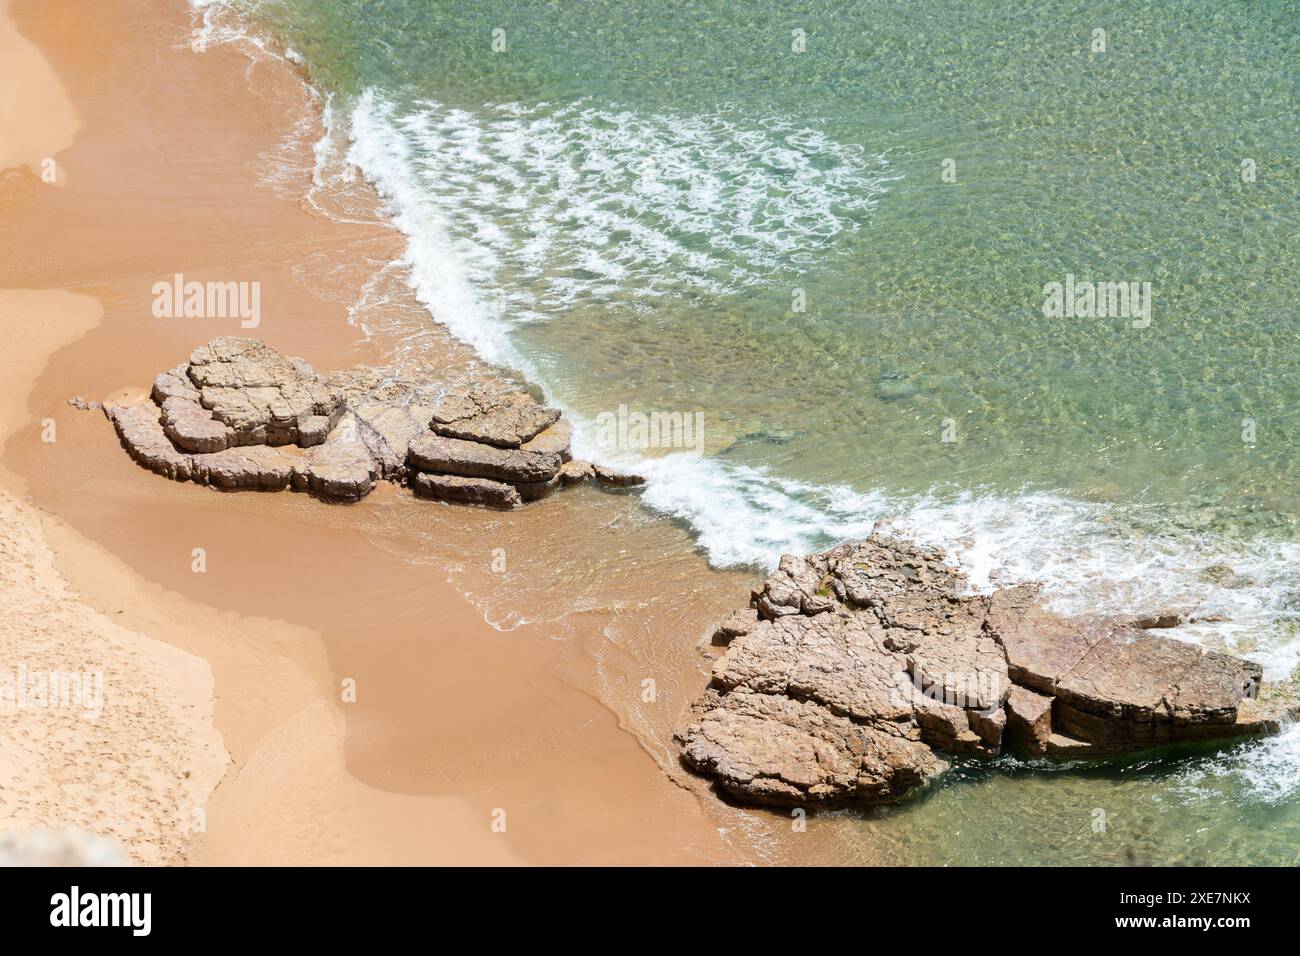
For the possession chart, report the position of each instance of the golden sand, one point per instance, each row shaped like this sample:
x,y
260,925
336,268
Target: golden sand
x,y
456,726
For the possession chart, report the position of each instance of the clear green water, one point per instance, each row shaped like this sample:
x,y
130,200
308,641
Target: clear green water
x,y
1122,165
628,198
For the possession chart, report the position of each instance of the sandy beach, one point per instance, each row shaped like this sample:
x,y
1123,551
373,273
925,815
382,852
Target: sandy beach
x,y
345,667
234,674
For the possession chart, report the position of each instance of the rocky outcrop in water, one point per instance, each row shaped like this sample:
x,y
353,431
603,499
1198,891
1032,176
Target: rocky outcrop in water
x,y
853,670
240,415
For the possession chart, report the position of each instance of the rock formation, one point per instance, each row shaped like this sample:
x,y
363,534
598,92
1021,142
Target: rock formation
x,y
240,415
853,669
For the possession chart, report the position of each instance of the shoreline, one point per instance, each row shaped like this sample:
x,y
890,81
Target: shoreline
x,y
378,682
390,778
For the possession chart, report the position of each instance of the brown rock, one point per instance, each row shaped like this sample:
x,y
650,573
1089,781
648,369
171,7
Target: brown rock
x,y
800,585
880,637
313,430
990,726
503,420
537,490
341,470
1041,647
1029,720
506,427
1064,746
476,491
737,624
192,427
174,384
255,467
779,751
259,394
142,435
241,415
553,441
574,471
454,456
616,479
388,417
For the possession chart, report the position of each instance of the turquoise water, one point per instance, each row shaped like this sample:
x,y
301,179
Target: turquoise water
x,y
828,228
636,192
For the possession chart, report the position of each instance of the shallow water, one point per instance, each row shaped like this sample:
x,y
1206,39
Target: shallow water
x,y
666,206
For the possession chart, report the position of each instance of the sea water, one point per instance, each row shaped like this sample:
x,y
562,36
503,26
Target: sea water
x,y
841,233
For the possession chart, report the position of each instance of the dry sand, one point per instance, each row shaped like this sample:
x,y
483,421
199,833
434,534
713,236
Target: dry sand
x,y
128,749
454,720
132,753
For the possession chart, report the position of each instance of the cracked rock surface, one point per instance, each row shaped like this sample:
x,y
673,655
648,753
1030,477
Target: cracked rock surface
x,y
241,415
855,670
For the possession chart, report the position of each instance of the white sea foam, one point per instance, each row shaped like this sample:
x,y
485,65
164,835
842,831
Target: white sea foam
x,y
559,195
224,21
516,212
1267,769
1089,557
550,205
443,267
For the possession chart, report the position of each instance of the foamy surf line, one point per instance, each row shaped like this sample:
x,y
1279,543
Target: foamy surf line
x,y
475,196
591,203
1089,557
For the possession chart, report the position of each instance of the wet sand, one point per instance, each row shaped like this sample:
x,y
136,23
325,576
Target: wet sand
x,y
36,115
454,719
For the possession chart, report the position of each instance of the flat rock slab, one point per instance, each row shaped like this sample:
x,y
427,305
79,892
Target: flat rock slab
x,y
342,470
474,491
455,456
554,440
192,428
853,669
507,427
142,435
335,470
499,418
1041,647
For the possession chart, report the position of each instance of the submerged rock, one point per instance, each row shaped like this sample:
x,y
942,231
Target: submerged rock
x,y
854,669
